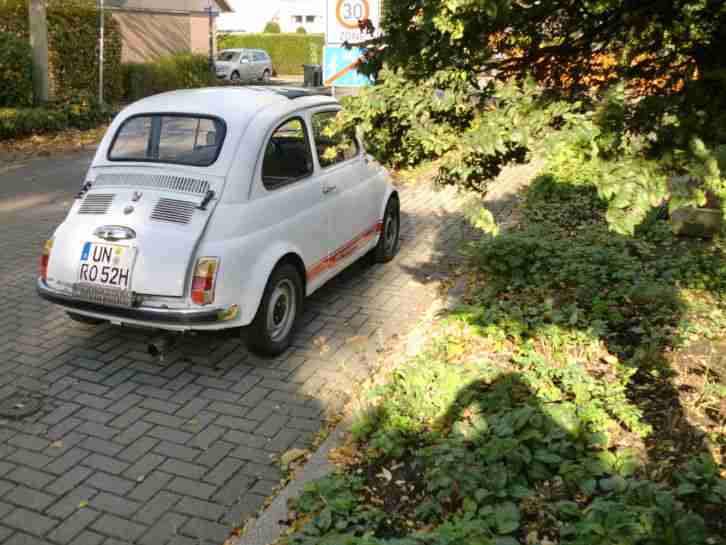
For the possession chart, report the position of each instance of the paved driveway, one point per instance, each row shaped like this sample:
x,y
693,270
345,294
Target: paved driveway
x,y
126,449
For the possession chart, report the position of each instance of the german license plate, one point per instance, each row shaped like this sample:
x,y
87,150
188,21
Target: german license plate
x,y
106,265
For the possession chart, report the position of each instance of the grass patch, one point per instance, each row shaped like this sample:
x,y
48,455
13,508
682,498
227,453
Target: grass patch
x,y
577,397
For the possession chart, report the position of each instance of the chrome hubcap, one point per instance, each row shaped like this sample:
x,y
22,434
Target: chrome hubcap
x,y
281,310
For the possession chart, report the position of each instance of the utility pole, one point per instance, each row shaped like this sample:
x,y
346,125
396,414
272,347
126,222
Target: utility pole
x,y
211,38
101,44
39,47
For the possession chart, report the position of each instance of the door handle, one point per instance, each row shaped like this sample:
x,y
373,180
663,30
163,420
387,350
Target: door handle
x,y
329,188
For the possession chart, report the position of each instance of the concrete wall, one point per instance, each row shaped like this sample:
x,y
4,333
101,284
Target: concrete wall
x,y
148,36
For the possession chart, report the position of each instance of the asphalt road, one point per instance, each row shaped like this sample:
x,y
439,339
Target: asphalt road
x,y
41,180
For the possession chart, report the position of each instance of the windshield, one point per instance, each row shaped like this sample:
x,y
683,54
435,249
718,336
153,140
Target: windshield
x,y
174,138
228,56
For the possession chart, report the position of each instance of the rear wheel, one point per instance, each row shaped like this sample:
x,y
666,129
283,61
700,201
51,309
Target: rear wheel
x,y
234,76
270,333
266,76
388,244
87,320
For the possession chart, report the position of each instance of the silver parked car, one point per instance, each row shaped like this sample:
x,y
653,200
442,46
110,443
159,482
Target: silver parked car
x,y
244,65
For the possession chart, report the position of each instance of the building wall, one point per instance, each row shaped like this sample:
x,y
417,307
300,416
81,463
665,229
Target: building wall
x,y
199,34
148,36
290,13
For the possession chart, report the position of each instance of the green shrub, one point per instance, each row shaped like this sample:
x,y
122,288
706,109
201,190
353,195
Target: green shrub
x,y
288,51
73,46
182,71
272,28
301,30
80,113
15,71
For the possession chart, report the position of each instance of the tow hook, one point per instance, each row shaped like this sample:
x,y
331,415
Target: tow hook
x,y
159,347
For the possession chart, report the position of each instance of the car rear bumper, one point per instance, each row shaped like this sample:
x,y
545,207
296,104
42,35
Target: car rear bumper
x,y
188,318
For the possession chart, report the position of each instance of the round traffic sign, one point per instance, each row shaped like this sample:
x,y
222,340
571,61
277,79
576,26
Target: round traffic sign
x,y
349,12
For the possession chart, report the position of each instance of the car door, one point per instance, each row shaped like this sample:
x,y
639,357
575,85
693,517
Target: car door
x,y
246,65
294,209
347,190
259,64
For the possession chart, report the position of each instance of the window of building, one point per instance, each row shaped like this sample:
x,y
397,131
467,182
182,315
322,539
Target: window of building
x,y
297,18
310,18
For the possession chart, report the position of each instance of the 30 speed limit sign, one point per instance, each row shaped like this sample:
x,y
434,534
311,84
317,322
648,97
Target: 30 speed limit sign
x,y
343,17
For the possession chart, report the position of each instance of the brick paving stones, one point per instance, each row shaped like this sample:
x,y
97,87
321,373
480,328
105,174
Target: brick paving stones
x,y
130,450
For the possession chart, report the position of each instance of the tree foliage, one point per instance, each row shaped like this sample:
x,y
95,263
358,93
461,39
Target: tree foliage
x,y
634,89
272,28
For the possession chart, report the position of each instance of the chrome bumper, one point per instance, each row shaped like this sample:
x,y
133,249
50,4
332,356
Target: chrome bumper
x,y
142,314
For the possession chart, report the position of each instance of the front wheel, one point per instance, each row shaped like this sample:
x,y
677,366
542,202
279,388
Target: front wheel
x,y
270,333
235,76
266,77
388,244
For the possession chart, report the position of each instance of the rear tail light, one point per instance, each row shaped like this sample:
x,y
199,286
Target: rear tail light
x,y
205,276
45,258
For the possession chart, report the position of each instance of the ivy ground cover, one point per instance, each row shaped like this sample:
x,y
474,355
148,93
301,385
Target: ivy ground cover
x,y
578,396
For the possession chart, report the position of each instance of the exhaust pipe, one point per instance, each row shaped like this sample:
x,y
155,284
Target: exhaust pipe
x,y
159,347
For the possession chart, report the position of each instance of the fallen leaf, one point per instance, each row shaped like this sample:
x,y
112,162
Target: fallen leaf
x,y
292,455
385,475
83,504
56,444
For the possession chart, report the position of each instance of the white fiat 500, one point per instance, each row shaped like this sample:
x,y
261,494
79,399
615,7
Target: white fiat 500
x,y
219,208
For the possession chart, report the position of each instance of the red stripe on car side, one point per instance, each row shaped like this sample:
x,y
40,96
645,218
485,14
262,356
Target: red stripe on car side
x,y
343,252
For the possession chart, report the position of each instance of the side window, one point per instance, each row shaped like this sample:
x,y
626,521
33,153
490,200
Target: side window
x,y
259,56
287,155
332,149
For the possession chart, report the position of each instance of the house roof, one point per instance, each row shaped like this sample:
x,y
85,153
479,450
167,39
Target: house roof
x,y
184,6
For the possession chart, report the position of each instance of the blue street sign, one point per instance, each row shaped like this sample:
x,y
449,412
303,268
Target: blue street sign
x,y
335,62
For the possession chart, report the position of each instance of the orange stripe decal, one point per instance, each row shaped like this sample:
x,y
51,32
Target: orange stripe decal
x,y
345,251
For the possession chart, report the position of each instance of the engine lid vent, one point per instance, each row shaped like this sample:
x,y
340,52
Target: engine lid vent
x,y
96,203
178,184
173,211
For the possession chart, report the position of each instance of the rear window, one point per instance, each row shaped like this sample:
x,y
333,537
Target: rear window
x,y
180,139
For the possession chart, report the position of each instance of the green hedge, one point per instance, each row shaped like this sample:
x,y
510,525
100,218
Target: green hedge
x,y
73,45
15,71
288,51
181,71
80,113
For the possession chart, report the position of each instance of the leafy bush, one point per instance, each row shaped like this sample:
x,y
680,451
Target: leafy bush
x,y
15,71
82,112
272,28
288,51
404,124
73,46
301,30
181,71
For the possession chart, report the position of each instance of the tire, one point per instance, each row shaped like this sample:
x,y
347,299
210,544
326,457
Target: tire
x,y
87,320
266,77
234,76
271,332
390,240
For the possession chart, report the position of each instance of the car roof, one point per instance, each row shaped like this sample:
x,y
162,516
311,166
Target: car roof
x,y
232,104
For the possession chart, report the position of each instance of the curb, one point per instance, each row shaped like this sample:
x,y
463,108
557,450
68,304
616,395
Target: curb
x,y
266,529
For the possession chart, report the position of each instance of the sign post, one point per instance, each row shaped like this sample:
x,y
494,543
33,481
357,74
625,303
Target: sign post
x,y
341,26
